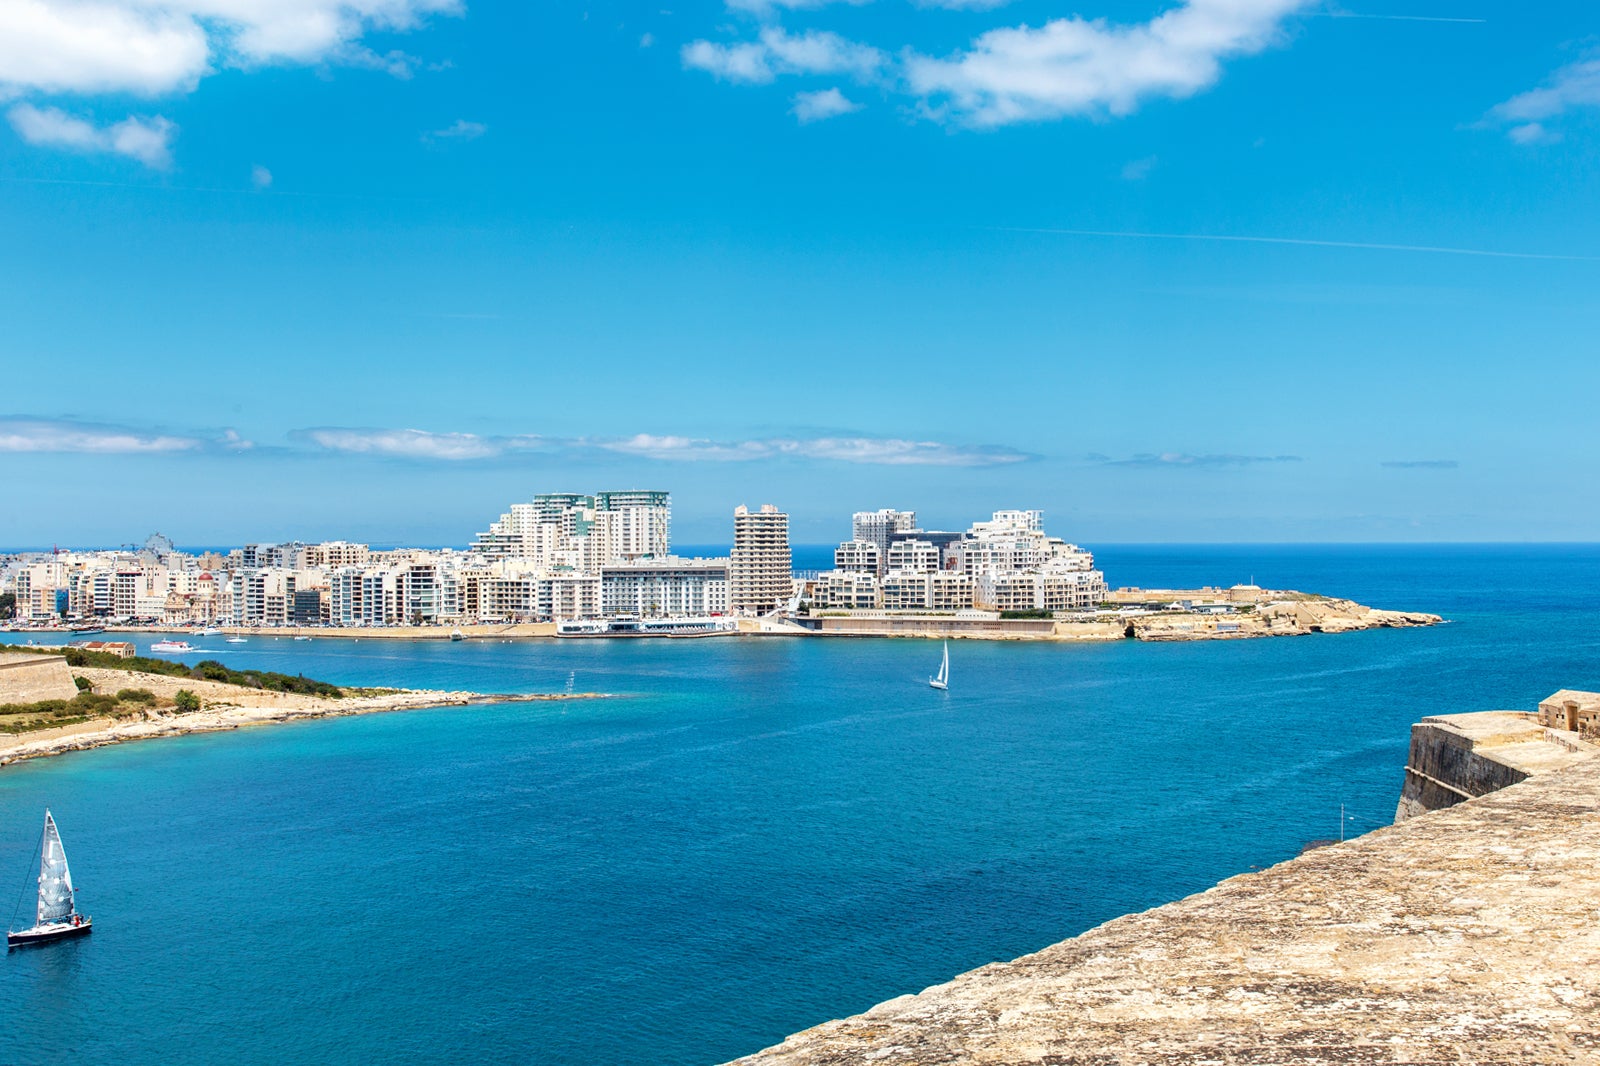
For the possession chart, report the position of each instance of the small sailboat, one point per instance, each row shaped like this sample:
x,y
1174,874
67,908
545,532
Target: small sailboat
x,y
56,917
943,680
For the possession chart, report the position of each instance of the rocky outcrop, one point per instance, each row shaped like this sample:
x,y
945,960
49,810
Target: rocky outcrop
x,y
1466,936
1294,615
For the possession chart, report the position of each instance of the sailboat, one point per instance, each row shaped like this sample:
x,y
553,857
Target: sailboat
x,y
56,917
943,680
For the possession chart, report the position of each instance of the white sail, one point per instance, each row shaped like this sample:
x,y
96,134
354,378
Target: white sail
x,y
944,667
55,880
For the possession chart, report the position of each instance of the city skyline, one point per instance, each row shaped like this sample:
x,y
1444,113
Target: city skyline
x,y
1317,281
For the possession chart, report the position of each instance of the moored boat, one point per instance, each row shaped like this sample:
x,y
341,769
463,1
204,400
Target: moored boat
x,y
56,916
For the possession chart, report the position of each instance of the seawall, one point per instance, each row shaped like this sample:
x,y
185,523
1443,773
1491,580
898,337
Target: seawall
x,y
1465,933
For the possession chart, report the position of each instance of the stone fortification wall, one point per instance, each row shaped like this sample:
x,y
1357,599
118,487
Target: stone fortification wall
x,y
1466,937
31,678
1455,757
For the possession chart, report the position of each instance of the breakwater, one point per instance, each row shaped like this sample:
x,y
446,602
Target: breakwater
x,y
1465,936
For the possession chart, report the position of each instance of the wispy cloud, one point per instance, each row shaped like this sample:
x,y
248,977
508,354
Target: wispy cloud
x,y
417,443
1420,464
260,177
459,130
825,104
147,139
776,52
1138,169
455,447
1184,459
31,434
867,450
21,434
1341,14
1300,241
1526,116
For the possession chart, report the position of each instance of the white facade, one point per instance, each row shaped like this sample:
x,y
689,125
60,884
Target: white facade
x,y
859,557
659,588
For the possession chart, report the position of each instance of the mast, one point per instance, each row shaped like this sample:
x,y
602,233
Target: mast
x,y
55,879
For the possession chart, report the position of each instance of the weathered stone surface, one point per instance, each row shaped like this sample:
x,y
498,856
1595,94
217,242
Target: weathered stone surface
x,y
1467,935
1455,757
31,678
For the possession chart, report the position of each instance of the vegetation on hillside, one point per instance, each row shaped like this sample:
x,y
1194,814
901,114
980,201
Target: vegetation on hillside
x,y
205,670
47,714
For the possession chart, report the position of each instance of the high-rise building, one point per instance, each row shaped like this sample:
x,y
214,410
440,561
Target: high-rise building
x,y
760,570
877,525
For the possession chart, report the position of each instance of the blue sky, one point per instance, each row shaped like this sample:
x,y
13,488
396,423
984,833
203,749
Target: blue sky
x,y
1223,270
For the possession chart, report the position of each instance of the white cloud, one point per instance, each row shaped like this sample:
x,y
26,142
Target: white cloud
x,y
417,443
150,47
1178,460
148,140
455,447
260,177
777,52
764,7
1075,66
868,450
459,130
963,5
1574,86
54,435
825,104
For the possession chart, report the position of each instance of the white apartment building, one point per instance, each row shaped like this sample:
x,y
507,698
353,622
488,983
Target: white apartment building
x,y
845,590
927,590
36,587
1047,590
654,588
859,557
760,569
917,556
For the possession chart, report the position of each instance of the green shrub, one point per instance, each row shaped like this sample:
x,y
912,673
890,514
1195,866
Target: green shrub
x,y
84,684
205,670
89,703
135,695
185,701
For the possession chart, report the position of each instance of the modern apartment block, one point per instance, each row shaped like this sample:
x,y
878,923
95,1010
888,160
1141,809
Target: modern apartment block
x,y
1007,563
761,569
657,588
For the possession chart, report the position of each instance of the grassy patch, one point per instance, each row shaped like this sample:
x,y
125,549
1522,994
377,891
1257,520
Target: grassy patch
x,y
48,714
205,670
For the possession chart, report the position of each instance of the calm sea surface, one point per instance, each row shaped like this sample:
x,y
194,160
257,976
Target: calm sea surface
x,y
754,837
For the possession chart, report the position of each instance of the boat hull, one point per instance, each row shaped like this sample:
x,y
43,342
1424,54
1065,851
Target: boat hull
x,y
45,934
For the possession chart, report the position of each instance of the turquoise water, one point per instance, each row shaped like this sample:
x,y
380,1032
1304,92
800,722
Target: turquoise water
x,y
755,836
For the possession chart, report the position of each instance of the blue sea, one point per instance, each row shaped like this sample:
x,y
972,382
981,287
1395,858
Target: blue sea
x,y
752,837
